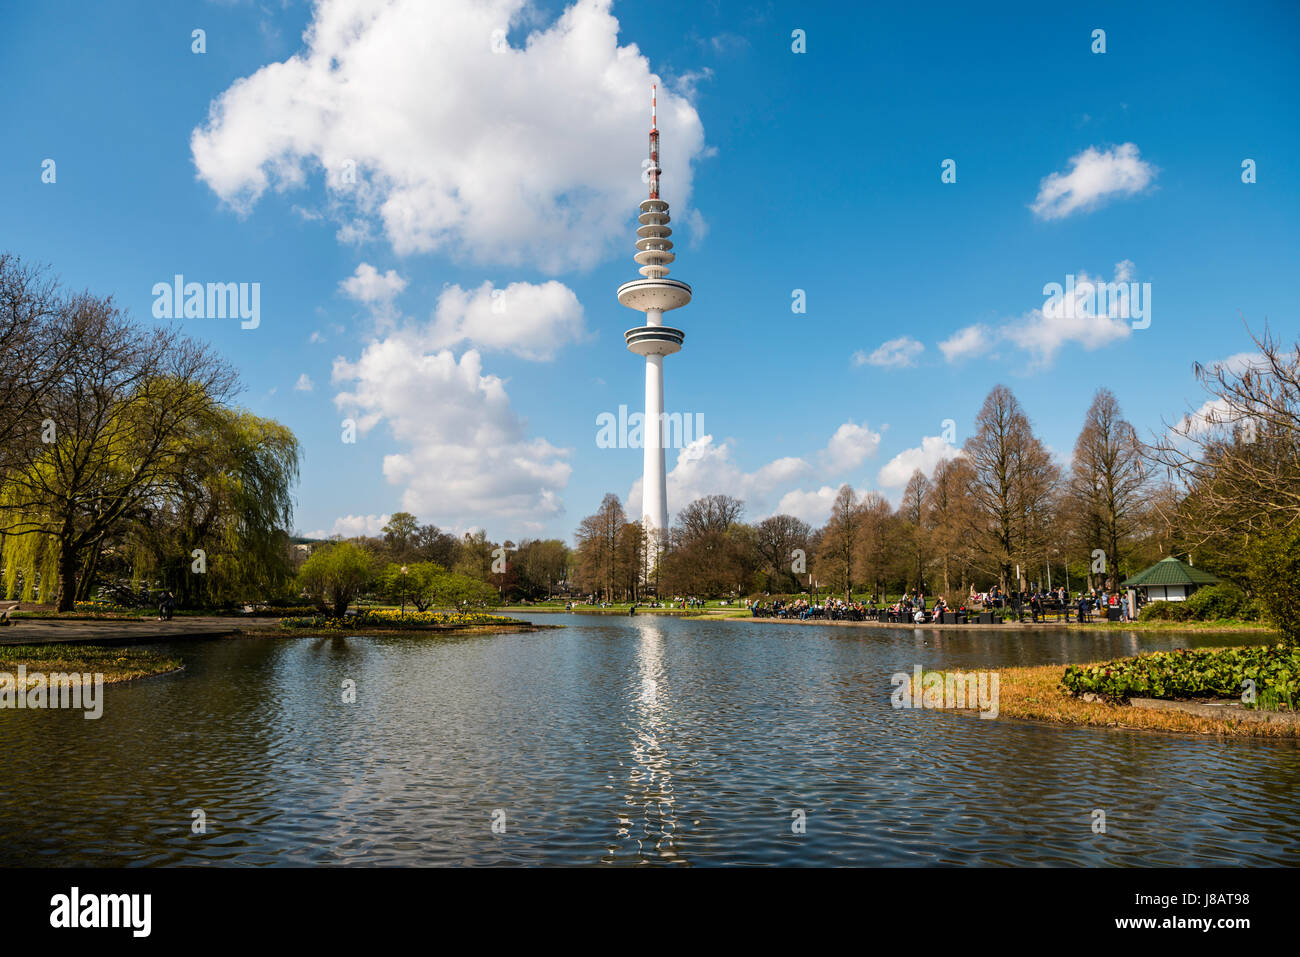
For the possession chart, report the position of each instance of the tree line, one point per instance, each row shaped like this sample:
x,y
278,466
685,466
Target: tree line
x,y
1221,489
1001,512
420,564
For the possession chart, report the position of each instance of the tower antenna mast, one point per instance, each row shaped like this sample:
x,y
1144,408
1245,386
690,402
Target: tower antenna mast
x,y
654,143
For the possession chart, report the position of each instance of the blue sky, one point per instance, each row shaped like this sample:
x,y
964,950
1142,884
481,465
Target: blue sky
x,y
514,161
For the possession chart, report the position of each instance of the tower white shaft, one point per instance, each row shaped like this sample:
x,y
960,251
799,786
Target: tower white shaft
x,y
654,494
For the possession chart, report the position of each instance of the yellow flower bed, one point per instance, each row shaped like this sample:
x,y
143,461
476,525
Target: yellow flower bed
x,y
393,620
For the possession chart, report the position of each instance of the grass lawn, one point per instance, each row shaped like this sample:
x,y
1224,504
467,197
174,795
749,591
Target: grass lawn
x,y
116,664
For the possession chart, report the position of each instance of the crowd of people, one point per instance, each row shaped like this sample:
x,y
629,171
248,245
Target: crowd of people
x,y
910,607
1037,605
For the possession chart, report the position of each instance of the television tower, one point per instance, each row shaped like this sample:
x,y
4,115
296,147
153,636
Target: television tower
x,y
654,295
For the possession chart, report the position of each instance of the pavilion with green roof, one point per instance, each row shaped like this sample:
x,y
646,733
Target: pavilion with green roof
x,y
1170,580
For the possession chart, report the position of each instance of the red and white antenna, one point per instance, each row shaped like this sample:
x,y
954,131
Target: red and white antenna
x,y
654,143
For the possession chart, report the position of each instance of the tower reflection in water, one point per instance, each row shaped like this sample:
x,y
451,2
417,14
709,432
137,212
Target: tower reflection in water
x,y
648,826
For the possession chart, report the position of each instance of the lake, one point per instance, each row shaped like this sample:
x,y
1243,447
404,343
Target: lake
x,y
645,740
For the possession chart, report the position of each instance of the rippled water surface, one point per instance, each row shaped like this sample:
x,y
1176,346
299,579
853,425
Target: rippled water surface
x,y
624,741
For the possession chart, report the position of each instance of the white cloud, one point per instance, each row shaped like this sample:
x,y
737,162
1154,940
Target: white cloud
x,y
932,450
532,321
899,353
849,447
1094,176
1059,322
350,526
697,227
304,384
967,342
1212,415
814,507
690,79
369,286
1046,330
431,129
704,468
1238,363
467,454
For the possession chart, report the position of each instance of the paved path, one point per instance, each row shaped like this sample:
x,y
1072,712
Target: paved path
x,y
41,631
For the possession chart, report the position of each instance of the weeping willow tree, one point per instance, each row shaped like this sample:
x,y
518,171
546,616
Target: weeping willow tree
x,y
219,533
28,567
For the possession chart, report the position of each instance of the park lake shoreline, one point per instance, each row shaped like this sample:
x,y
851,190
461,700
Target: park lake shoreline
x,y
1029,694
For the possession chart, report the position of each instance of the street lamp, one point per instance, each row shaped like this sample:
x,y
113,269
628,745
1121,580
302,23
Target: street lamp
x,y
403,591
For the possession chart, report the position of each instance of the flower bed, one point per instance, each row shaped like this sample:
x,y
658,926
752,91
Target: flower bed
x,y
97,607
1217,673
393,620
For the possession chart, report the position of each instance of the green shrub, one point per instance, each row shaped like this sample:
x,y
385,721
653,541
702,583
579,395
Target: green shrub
x,y
1275,670
334,574
1224,600
1163,611
1253,610
1274,571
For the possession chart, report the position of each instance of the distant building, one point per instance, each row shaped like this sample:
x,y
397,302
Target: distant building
x,y
1170,580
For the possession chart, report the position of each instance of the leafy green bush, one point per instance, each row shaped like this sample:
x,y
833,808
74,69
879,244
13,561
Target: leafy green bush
x,y
1163,611
1275,669
334,574
1274,570
1224,600
1254,610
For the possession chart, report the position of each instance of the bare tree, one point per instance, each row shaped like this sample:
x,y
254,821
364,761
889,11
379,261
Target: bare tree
x,y
1014,478
877,540
597,540
33,354
837,558
1105,494
916,537
950,515
707,554
1240,454
776,538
